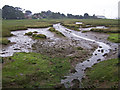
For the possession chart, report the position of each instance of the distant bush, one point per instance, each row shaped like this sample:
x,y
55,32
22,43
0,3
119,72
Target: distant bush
x,y
29,33
39,36
4,41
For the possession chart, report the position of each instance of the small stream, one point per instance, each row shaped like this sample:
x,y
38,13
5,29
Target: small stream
x,y
98,55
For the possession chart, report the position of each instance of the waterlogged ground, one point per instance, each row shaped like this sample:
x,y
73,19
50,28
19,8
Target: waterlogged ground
x,y
84,49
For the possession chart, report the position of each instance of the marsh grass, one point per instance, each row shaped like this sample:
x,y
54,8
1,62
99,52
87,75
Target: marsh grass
x,y
33,70
39,36
4,41
29,33
85,31
56,31
109,30
72,26
103,74
114,38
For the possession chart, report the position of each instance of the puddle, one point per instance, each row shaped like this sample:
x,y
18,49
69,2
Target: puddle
x,y
98,55
23,43
78,23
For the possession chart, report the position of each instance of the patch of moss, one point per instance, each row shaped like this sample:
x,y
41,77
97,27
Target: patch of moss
x,y
4,41
57,32
29,33
35,32
39,36
85,31
114,38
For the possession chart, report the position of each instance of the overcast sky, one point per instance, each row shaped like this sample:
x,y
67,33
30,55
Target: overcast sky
x,y
108,8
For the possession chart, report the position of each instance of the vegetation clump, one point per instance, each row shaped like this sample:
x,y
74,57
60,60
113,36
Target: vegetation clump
x,y
35,32
110,30
72,26
79,48
39,36
114,38
29,33
85,31
4,41
57,32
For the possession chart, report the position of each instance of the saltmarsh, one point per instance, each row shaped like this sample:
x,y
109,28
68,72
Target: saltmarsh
x,y
33,70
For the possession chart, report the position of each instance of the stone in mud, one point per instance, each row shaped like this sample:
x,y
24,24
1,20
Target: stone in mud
x,y
73,70
76,83
59,86
100,46
88,60
98,59
102,50
16,49
105,54
98,50
95,54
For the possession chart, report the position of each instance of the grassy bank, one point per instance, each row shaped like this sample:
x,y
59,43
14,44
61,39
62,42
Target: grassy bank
x,y
114,38
4,41
102,75
32,70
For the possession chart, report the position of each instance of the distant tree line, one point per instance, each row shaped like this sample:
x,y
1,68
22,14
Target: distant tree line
x,y
10,12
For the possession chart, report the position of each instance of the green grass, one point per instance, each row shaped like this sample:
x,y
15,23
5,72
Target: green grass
x,y
4,41
56,31
114,38
85,31
103,74
39,36
72,26
110,30
29,33
33,70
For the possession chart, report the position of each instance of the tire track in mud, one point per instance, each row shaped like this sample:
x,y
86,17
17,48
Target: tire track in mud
x,y
98,55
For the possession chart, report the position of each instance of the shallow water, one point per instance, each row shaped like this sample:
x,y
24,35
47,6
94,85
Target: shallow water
x,y
98,55
23,43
